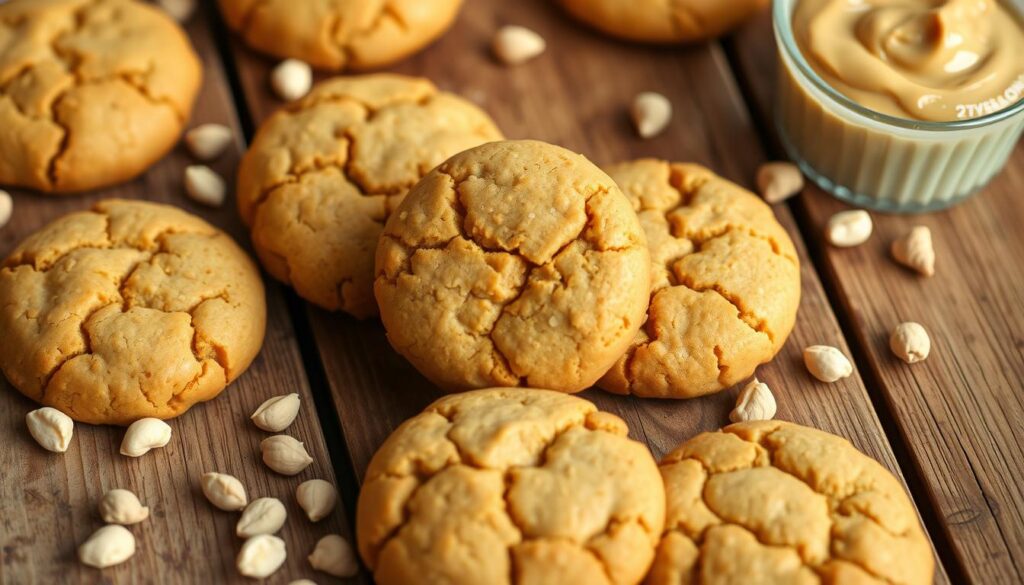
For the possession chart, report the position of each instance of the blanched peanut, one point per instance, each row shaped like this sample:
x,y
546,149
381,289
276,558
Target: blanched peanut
x,y
122,507
291,79
849,228
755,402
651,113
317,498
516,44
208,141
827,363
51,428
915,250
277,413
910,342
778,181
224,491
285,454
179,10
262,516
143,435
203,185
334,555
261,556
6,207
108,546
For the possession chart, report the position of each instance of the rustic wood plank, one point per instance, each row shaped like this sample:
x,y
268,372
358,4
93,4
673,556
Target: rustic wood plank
x,y
48,502
958,412
576,95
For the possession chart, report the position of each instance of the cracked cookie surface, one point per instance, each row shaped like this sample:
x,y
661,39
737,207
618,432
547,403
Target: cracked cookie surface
x,y
509,485
340,34
92,92
515,263
663,21
725,282
777,503
126,311
323,175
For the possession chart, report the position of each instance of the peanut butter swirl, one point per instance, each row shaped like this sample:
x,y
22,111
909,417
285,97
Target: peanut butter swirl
x,y
933,60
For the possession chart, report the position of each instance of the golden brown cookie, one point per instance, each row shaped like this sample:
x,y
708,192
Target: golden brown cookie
x,y
663,21
726,282
323,174
777,503
340,34
515,263
509,485
127,311
92,92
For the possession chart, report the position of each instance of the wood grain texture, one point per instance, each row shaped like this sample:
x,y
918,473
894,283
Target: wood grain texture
x,y
577,95
48,502
959,411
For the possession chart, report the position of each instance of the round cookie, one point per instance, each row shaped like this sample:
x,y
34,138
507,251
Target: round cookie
x,y
126,311
508,485
515,263
663,21
777,503
323,174
725,282
340,34
92,92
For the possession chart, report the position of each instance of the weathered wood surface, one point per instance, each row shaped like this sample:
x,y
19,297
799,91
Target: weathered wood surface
x,y
960,411
48,502
576,95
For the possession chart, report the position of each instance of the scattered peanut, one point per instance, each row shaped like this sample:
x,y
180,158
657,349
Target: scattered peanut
x,y
651,113
261,556
180,10
302,582
317,498
203,185
334,555
51,428
277,413
285,454
910,342
122,507
827,363
915,250
6,207
291,79
516,44
262,516
143,435
849,228
208,141
224,491
755,402
778,181
111,545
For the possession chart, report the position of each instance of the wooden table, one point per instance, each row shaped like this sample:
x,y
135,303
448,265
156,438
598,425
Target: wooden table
x,y
950,427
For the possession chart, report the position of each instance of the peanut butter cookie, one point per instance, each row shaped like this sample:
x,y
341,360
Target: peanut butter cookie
x,y
726,282
92,92
777,503
516,264
323,175
663,21
505,486
127,311
340,34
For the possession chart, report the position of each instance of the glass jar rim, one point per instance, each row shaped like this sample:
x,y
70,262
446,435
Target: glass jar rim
x,y
783,25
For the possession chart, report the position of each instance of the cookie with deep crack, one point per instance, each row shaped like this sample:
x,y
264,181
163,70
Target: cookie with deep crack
x,y
92,92
663,21
126,311
515,263
337,34
323,175
777,503
725,282
508,485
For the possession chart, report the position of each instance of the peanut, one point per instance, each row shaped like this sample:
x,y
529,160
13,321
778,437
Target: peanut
x,y
317,498
516,44
334,555
122,507
143,435
285,454
203,185
302,582
6,207
849,228
261,556
651,113
910,342
277,413
111,545
208,141
179,10
291,79
915,250
51,428
778,181
755,402
262,516
827,363
224,491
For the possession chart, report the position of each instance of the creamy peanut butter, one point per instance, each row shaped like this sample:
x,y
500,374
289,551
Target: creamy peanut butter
x,y
934,60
